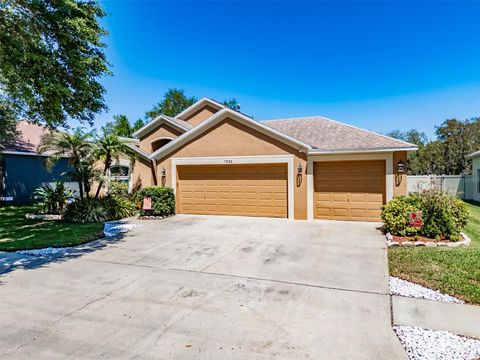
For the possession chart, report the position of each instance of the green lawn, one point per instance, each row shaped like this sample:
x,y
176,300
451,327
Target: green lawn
x,y
452,271
18,233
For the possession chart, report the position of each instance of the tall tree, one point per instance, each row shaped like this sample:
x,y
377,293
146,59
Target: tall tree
x,y
459,138
76,147
121,126
107,148
51,59
173,103
8,125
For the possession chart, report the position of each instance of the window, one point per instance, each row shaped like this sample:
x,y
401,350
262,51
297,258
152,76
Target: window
x,y
119,170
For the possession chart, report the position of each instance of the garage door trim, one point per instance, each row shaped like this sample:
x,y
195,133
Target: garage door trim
x,y
388,157
238,160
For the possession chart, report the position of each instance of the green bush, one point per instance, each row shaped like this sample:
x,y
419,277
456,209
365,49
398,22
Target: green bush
x,y
443,215
119,189
395,215
163,200
99,210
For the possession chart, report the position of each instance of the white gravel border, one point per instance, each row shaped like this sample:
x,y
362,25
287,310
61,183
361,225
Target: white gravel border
x,y
110,230
426,344
406,288
465,242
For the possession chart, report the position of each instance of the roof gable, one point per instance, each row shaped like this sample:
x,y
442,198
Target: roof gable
x,y
177,124
215,119
203,102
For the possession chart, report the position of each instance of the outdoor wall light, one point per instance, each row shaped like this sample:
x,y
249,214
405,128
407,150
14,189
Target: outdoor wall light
x,y
299,169
164,172
400,167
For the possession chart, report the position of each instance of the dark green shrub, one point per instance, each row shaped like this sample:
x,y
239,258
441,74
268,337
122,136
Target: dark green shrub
x,y
99,210
119,189
163,200
395,215
52,198
443,215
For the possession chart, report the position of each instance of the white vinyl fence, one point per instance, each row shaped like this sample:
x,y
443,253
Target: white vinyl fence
x,y
458,185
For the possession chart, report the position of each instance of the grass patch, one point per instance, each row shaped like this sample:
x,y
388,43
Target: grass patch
x,y
452,271
19,233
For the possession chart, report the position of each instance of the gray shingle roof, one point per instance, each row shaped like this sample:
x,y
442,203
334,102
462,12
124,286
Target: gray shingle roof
x,y
326,134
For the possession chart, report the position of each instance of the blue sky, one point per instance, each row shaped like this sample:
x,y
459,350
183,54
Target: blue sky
x,y
377,65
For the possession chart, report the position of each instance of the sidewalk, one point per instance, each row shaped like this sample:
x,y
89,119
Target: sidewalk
x,y
460,319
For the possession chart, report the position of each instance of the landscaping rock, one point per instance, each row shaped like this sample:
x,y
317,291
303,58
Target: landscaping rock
x,y
441,243
408,244
392,243
43,217
426,344
389,237
406,288
430,244
419,243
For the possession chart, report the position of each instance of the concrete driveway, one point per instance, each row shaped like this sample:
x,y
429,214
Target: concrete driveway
x,y
198,287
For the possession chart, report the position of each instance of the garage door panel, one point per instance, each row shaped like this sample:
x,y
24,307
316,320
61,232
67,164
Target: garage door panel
x,y
349,190
248,190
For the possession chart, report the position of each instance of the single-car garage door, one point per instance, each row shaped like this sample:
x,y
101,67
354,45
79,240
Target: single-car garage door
x,y
245,190
349,190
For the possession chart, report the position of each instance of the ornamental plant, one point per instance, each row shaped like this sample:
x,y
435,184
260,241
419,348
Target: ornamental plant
x,y
443,215
163,200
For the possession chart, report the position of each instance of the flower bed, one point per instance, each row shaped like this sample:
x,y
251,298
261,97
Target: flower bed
x,y
410,241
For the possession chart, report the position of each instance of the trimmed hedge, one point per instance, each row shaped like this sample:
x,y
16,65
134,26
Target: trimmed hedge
x,y
163,200
443,215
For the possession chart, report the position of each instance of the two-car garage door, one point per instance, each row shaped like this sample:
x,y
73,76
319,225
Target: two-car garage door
x,y
245,190
343,190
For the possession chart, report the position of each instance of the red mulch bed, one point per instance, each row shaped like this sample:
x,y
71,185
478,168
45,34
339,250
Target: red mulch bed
x,y
401,239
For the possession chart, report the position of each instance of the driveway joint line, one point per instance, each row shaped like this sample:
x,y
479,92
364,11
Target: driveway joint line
x,y
242,277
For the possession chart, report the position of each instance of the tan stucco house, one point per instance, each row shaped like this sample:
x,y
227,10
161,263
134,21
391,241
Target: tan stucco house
x,y
220,161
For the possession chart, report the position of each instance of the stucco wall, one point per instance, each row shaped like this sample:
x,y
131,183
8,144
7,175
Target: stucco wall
x,y
400,180
201,115
230,138
142,174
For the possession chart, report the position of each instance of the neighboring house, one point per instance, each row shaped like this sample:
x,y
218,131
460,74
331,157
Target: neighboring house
x,y
22,170
475,175
220,161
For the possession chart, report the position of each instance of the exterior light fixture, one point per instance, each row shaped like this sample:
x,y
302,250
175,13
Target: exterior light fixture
x,y
299,168
164,172
400,167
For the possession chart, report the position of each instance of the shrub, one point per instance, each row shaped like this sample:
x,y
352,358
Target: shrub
x,y
395,215
52,199
118,189
98,210
163,200
443,215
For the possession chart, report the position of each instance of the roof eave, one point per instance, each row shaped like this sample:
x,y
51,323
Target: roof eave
x,y
360,151
198,104
157,122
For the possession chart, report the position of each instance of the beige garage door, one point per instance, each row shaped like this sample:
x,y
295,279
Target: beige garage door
x,y
349,190
246,190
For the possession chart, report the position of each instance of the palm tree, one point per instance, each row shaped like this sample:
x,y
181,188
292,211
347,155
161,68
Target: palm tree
x,y
75,146
109,147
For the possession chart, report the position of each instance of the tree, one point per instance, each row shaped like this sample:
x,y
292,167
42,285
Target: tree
x,y
76,147
8,125
459,138
108,147
121,126
51,59
232,103
173,103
